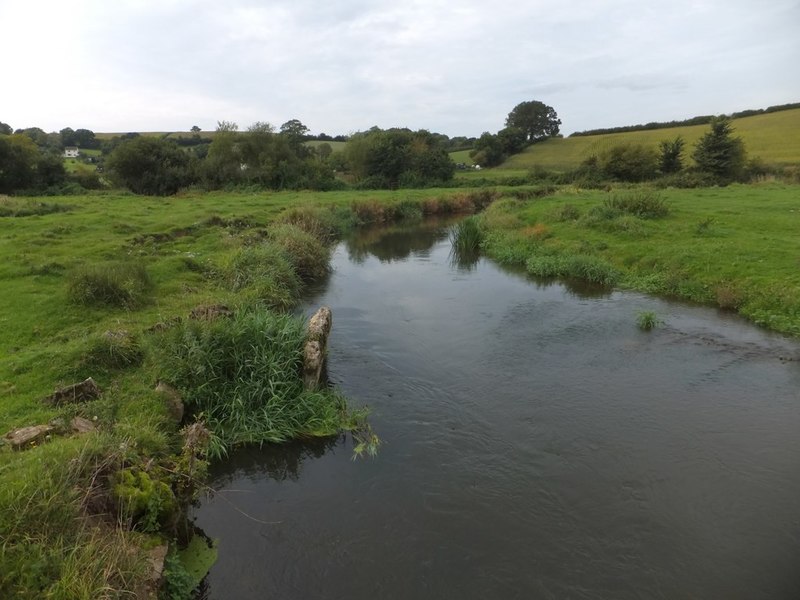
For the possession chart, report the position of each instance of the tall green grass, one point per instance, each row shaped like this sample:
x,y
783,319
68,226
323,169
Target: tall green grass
x,y
242,377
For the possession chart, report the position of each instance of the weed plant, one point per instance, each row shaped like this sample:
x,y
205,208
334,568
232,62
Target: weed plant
x,y
647,320
115,284
466,236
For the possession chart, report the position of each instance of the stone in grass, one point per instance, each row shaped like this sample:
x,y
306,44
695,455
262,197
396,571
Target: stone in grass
x,y
26,437
173,400
80,425
77,392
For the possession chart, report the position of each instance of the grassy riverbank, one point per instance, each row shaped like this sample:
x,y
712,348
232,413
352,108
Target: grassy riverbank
x,y
102,286
735,247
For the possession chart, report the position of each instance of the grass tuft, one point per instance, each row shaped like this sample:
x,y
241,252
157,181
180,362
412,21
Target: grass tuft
x,y
644,203
116,284
306,253
647,320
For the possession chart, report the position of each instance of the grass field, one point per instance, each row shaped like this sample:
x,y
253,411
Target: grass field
x,y
84,279
735,247
774,137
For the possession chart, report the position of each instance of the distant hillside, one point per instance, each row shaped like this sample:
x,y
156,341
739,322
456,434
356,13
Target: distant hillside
x,y
774,137
702,120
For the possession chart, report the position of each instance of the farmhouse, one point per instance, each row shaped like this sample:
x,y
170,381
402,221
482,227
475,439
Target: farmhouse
x,y
71,152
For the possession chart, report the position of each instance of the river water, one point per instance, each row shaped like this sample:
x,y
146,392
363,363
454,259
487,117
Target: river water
x,y
536,444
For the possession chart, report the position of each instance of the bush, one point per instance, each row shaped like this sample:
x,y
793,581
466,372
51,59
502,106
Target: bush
x,y
628,162
118,284
148,165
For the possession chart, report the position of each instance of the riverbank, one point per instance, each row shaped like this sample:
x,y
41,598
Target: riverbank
x,y
105,286
735,247
64,532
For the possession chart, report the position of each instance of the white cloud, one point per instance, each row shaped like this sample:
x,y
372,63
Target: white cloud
x,y
339,67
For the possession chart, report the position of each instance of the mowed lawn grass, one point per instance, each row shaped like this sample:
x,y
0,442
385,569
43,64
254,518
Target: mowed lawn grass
x,y
774,138
736,247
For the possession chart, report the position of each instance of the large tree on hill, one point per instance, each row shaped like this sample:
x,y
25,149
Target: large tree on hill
x,y
535,118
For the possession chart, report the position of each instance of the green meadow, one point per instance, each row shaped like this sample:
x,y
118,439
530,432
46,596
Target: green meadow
x,y
773,137
733,247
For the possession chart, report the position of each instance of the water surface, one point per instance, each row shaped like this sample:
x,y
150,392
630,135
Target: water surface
x,y
536,445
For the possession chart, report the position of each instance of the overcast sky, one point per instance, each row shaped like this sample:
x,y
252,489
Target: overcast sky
x,y
455,67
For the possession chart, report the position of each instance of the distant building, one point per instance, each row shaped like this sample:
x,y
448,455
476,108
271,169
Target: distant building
x,y
71,152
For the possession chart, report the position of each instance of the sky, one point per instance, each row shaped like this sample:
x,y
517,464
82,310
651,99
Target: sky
x,y
342,66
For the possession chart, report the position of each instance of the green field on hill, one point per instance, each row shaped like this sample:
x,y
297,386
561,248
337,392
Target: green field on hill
x,y
773,137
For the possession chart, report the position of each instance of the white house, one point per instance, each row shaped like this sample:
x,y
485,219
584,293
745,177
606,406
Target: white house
x,y
71,152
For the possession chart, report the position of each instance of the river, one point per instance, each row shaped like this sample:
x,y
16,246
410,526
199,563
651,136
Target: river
x,y
536,444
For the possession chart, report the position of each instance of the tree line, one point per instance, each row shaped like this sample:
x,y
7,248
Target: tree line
x,y
700,120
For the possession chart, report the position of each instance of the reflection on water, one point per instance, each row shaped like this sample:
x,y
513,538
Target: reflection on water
x,y
536,445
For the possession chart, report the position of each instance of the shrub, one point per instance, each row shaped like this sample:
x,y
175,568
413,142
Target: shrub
x,y
628,162
644,203
119,284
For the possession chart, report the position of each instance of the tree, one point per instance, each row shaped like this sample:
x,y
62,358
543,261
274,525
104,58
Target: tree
x,y
536,119
719,153
18,158
5,129
195,129
487,151
671,151
395,157
84,138
153,166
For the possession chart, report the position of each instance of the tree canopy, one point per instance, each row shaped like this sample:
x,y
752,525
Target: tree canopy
x,y
397,157
537,120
